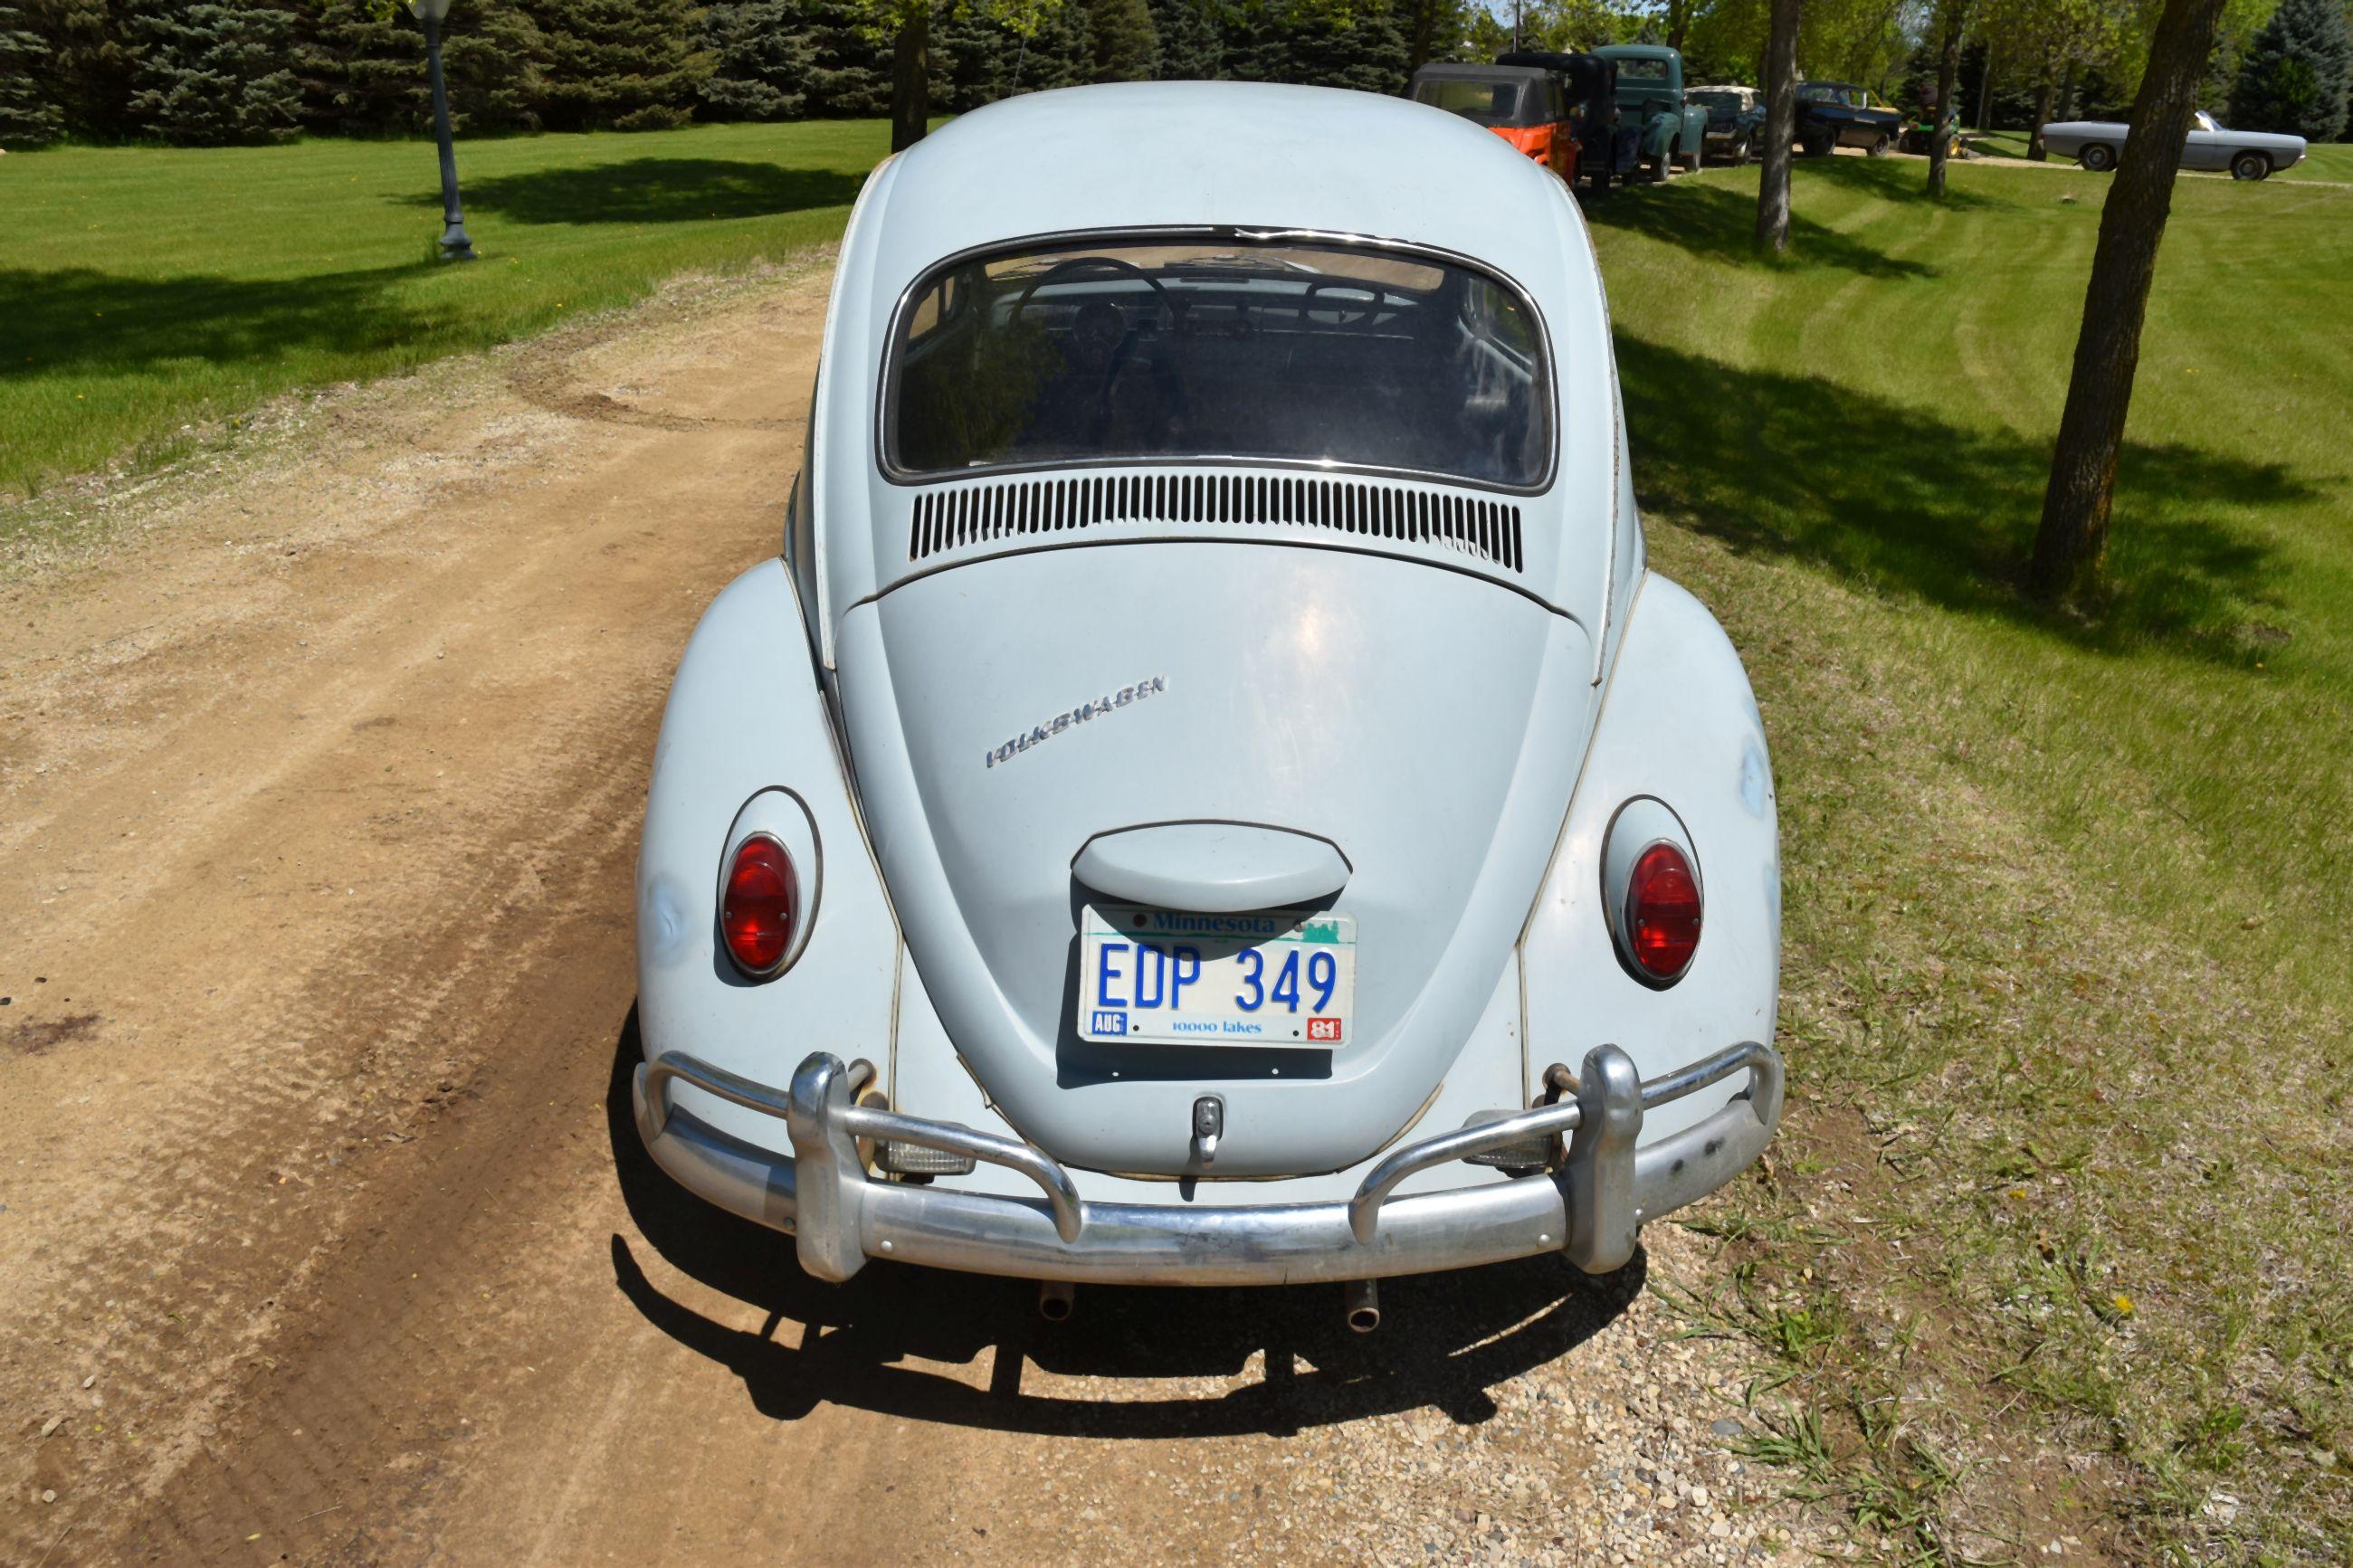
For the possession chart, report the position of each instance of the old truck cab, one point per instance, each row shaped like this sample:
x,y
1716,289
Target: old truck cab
x,y
1524,105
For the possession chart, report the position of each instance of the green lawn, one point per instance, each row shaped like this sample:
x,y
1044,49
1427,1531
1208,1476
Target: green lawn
x,y
2067,899
2067,896
146,289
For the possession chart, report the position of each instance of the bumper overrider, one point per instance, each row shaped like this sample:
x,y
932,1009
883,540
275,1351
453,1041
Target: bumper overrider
x,y
1589,1202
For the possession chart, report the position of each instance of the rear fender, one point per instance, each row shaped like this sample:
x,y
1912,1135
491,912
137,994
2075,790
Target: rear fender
x,y
1679,724
746,740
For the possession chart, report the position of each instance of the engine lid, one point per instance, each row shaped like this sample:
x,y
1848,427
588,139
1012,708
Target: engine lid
x,y
1423,723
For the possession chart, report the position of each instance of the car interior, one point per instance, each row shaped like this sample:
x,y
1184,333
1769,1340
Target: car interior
x,y
1229,349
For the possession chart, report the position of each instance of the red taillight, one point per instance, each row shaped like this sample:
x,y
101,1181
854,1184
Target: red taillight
x,y
759,910
1663,912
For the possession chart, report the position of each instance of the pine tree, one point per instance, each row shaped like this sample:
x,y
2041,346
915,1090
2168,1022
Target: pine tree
x,y
1062,51
2295,76
1362,47
497,62
213,73
973,56
1192,45
761,56
1120,38
88,63
360,68
850,68
630,65
28,116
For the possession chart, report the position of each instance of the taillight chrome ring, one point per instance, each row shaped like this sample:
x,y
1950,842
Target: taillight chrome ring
x,y
1640,825
780,818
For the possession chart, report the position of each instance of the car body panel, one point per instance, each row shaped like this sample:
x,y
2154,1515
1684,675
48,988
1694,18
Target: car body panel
x,y
2209,146
1443,795
1711,765
1650,94
1607,146
1834,114
975,719
1735,117
1538,127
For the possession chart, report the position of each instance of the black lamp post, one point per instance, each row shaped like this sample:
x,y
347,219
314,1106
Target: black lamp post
x,y
455,245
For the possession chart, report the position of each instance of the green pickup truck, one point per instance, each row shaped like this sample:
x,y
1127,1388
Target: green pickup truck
x,y
1650,98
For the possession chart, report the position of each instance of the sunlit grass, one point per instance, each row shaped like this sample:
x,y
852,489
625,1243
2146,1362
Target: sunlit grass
x,y
145,290
2067,896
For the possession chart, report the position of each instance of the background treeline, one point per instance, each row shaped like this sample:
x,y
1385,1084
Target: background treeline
x,y
215,71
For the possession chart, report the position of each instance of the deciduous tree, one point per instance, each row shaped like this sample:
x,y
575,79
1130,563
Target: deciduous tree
x,y
1780,126
2071,544
1952,22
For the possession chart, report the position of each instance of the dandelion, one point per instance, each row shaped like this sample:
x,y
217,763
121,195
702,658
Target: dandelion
x,y
2122,1303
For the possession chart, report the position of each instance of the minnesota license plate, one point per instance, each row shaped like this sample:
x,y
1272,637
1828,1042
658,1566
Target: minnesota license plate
x,y
1161,977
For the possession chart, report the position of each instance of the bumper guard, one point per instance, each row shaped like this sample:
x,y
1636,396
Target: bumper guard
x,y
1589,1204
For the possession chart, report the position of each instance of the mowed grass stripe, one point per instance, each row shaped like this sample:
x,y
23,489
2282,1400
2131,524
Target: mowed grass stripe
x,y
2067,896
145,290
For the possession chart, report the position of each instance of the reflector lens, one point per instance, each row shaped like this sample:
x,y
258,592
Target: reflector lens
x,y
758,912
1663,912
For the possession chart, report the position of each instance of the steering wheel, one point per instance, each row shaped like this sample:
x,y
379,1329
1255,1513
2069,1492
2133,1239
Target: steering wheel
x,y
1125,346
1340,309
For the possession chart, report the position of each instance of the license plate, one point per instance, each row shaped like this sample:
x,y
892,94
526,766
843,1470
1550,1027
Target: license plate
x,y
1162,977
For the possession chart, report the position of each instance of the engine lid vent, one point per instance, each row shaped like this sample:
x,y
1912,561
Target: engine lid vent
x,y
950,517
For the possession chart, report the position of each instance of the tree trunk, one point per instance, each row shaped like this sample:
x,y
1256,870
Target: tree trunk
x,y
1985,92
1678,24
2035,147
1948,66
1424,35
2066,109
2073,536
911,77
1780,125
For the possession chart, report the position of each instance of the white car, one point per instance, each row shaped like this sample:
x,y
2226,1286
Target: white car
x,y
1209,792
2248,154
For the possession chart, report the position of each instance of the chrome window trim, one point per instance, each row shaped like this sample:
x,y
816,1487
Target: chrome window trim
x,y
887,384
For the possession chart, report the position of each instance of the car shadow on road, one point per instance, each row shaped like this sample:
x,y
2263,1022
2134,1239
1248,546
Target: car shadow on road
x,y
1181,1359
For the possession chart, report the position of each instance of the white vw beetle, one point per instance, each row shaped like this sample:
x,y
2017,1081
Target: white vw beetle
x,y
1209,792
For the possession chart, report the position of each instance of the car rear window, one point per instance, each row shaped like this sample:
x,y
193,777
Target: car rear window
x,y
1486,102
1219,349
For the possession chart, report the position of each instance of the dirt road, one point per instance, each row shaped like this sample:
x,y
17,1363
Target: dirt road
x,y
323,1232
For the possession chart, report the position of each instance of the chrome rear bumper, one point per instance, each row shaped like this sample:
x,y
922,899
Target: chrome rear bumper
x,y
1590,1204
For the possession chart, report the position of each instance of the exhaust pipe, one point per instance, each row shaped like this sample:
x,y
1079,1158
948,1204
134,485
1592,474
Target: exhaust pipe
x,y
1360,1300
1056,1299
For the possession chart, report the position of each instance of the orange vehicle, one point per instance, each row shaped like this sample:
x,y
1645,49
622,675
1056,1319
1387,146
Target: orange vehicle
x,y
1524,105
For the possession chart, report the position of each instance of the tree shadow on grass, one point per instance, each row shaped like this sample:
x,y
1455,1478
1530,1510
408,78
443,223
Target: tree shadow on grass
x,y
1718,221
1892,495
79,319
656,190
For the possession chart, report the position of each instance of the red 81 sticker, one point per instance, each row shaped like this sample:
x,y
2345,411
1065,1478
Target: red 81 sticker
x,y
1327,1029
